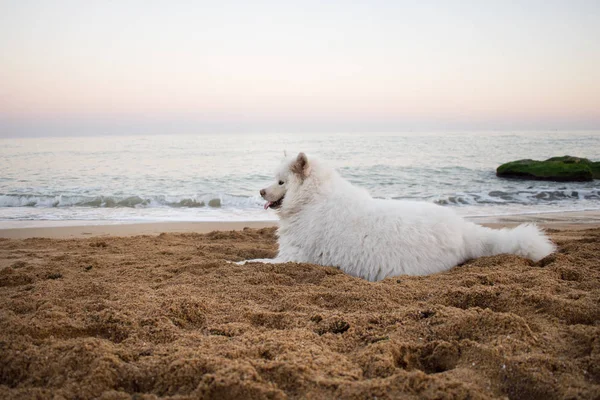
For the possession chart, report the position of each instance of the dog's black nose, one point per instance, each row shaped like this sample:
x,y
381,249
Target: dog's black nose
x,y
262,192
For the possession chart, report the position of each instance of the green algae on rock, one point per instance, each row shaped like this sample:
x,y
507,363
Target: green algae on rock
x,y
560,169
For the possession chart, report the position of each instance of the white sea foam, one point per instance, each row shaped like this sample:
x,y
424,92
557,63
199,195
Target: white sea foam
x,y
133,201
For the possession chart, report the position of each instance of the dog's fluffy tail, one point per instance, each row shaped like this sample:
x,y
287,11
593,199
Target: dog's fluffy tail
x,y
526,240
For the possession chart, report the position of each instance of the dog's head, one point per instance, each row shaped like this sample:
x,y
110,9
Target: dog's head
x,y
290,176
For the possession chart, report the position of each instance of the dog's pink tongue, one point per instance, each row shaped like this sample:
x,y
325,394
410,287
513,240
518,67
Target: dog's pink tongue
x,y
267,204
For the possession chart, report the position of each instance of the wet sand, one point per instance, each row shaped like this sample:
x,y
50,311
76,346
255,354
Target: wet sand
x,y
83,229
18,231
165,315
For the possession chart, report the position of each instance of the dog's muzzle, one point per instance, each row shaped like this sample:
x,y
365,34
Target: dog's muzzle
x,y
274,204
271,204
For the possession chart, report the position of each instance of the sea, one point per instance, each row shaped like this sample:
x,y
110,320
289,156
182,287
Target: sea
x,y
217,177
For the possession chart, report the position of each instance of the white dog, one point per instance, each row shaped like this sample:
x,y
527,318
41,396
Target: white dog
x,y
326,220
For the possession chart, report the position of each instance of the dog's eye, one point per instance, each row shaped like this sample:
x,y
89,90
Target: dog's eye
x,y
281,182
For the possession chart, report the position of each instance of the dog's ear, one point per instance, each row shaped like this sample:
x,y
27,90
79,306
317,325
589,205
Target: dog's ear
x,y
301,166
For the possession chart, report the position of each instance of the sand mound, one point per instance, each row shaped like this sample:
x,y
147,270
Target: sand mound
x,y
159,316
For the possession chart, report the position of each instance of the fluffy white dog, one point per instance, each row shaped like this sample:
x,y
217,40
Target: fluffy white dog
x,y
326,220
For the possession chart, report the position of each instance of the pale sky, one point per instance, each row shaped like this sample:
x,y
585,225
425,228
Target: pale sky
x,y
122,67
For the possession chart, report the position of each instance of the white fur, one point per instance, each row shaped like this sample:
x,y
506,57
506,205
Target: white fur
x,y
326,220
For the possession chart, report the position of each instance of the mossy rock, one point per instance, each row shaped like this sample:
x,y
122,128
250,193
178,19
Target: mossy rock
x,y
594,166
559,169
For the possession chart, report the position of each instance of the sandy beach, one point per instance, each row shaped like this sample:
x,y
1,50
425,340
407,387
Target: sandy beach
x,y
103,313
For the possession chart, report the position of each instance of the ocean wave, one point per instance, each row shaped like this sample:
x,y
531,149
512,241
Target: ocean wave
x,y
134,201
524,197
221,200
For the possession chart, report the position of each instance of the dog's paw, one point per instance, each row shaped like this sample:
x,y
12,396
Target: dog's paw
x,y
237,262
256,260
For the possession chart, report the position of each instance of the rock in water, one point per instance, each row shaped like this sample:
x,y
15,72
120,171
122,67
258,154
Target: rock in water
x,y
559,169
214,203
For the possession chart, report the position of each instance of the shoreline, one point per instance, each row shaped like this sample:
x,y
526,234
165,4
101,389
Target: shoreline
x,y
130,229
83,229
